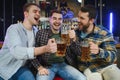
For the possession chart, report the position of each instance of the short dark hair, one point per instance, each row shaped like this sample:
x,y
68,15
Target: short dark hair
x,y
91,10
55,11
28,5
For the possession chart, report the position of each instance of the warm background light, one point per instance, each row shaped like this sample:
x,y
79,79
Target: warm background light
x,y
80,1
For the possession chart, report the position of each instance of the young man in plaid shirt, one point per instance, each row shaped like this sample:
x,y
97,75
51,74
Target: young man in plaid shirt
x,y
48,65
101,44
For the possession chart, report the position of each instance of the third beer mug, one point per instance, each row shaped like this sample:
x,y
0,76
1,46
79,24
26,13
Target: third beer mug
x,y
85,51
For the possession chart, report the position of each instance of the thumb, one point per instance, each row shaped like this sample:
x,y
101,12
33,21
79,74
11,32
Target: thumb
x,y
90,43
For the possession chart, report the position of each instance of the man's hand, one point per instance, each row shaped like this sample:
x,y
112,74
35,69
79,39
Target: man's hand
x,y
94,49
43,71
72,35
51,46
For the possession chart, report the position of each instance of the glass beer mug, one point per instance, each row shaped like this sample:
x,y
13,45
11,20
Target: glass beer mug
x,y
85,50
64,34
61,47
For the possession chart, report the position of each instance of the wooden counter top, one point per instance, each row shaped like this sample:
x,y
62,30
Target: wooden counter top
x,y
118,46
1,43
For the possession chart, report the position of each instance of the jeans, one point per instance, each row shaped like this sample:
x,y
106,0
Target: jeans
x,y
22,74
1,78
65,71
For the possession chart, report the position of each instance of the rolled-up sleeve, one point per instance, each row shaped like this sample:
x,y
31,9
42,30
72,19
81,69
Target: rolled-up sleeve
x,y
16,41
30,52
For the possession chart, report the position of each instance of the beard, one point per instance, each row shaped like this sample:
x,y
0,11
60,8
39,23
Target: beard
x,y
84,27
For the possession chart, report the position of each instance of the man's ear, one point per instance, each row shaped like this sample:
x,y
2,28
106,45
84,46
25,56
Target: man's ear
x,y
25,13
92,20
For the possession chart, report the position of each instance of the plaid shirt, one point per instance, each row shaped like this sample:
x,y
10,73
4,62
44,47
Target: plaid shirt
x,y
107,54
42,38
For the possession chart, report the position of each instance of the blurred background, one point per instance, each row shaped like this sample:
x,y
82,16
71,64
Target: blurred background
x,y
108,12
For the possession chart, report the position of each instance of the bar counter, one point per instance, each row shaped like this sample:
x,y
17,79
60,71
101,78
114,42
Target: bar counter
x,y
118,46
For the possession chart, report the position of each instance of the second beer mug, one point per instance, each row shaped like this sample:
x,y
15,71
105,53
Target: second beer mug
x,y
85,51
61,47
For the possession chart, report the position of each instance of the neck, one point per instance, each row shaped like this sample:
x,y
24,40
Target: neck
x,y
90,28
27,25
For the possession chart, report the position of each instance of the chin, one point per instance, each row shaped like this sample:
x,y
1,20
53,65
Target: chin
x,y
80,27
36,23
56,29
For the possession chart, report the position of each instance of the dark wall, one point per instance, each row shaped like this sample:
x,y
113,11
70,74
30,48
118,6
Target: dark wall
x,y
112,6
1,19
116,14
13,13
108,6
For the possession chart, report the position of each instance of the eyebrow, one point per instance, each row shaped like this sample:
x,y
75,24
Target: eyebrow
x,y
82,17
56,17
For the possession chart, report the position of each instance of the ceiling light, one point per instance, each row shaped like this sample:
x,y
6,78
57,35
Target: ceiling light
x,y
80,1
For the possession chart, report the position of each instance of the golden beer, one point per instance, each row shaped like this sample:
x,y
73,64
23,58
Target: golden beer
x,y
85,53
66,38
61,49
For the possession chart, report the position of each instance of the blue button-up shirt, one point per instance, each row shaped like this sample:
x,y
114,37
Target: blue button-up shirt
x,y
15,50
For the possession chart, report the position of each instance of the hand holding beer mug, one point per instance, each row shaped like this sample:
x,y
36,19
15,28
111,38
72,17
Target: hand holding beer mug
x,y
61,47
85,51
72,35
51,46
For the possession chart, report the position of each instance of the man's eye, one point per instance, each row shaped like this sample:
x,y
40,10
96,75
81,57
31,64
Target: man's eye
x,y
54,18
35,11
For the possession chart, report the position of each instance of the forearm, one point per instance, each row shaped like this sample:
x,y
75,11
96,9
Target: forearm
x,y
107,49
40,50
36,63
108,55
51,47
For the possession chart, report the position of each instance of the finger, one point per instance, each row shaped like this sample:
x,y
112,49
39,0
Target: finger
x,y
92,51
53,49
47,72
42,72
95,51
71,34
91,43
93,47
